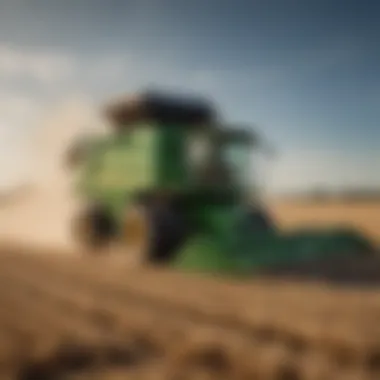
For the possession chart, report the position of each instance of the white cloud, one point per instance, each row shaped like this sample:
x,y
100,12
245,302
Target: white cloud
x,y
41,65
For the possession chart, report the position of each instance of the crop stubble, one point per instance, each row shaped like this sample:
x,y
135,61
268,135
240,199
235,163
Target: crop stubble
x,y
73,318
70,318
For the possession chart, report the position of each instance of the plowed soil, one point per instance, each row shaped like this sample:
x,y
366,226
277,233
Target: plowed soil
x,y
65,317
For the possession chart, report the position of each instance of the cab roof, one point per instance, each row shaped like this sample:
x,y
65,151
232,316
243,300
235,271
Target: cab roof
x,y
161,108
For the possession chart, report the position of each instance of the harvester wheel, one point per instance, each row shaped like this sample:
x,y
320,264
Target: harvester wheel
x,y
92,229
153,233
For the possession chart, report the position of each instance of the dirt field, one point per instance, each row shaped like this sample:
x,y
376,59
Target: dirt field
x,y
364,216
64,317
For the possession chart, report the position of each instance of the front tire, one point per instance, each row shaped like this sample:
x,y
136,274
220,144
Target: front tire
x,y
154,233
93,229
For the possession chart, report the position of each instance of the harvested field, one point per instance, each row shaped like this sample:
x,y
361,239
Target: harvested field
x,y
65,317
363,216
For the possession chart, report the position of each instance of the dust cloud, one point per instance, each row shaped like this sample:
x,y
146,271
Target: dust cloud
x,y
41,215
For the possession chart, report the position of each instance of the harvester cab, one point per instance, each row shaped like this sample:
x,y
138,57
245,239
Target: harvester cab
x,y
172,184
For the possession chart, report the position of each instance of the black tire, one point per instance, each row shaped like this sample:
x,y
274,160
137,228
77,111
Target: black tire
x,y
93,228
168,231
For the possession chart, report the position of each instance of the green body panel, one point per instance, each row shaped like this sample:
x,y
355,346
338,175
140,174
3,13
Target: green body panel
x,y
117,167
171,162
149,158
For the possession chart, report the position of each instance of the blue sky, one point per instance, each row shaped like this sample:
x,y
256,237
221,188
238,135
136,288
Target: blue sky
x,y
306,72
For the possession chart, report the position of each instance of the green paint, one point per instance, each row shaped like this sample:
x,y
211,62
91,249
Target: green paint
x,y
171,158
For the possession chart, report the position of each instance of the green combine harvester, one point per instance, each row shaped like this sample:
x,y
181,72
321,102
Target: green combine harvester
x,y
171,183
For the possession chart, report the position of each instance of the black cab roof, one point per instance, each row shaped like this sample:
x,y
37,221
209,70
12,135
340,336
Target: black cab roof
x,y
161,107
